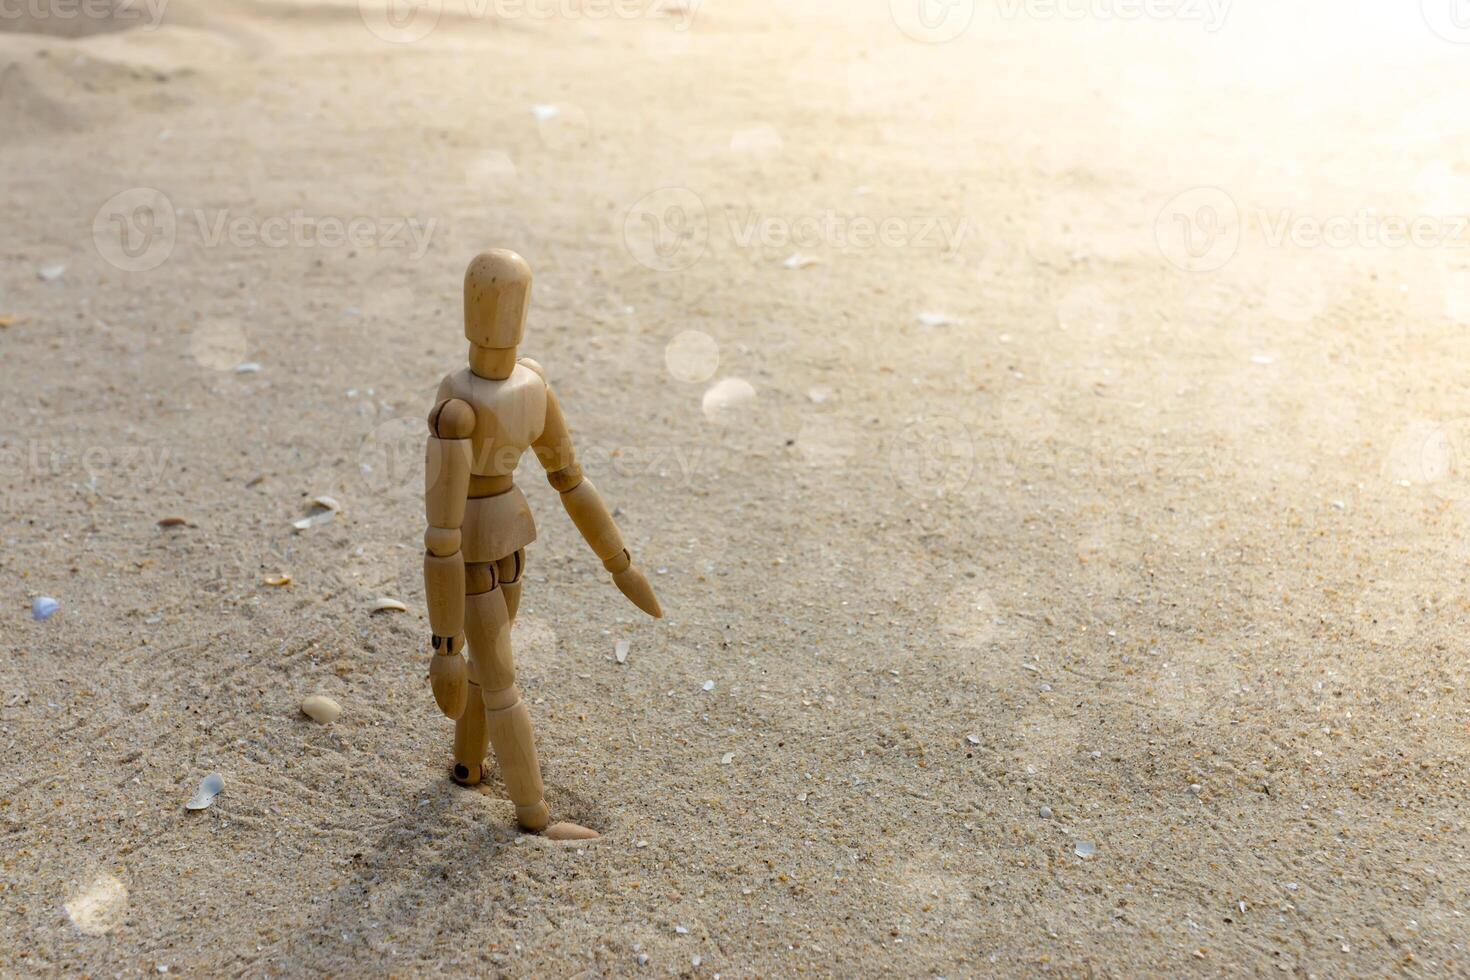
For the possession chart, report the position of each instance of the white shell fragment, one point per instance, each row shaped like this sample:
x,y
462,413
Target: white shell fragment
x,y
209,787
727,758
936,320
1086,849
321,709
621,651
51,272
249,367
545,112
387,605
100,907
44,608
799,261
709,685
325,509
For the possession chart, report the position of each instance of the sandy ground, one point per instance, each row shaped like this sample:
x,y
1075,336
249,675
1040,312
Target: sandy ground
x,y
1074,498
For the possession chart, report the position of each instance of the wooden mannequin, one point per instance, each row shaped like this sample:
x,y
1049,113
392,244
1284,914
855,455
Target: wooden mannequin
x,y
486,417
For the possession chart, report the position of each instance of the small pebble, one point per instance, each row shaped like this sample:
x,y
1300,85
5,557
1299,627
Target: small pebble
x,y
52,272
1195,789
1046,813
681,930
973,739
642,959
709,685
727,758
1086,849
321,709
44,608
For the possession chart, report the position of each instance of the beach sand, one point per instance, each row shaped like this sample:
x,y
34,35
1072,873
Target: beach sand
x,y
1019,480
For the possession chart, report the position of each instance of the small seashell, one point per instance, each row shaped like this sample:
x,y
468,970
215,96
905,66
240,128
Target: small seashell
x,y
43,608
8,320
621,651
727,758
277,580
973,739
1086,849
326,509
709,685
321,709
936,320
387,605
799,261
173,522
545,112
52,272
249,367
209,787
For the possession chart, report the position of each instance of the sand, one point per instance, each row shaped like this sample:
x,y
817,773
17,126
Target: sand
x,y
1009,519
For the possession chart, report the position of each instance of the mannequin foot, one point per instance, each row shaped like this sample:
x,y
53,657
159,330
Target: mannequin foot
x,y
467,775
